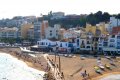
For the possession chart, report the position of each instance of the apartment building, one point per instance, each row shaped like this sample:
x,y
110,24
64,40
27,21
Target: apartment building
x,y
30,32
109,44
43,28
58,15
52,32
24,30
9,32
37,31
113,23
116,30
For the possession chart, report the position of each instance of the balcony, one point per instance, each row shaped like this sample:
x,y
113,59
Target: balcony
x,y
118,37
112,40
118,47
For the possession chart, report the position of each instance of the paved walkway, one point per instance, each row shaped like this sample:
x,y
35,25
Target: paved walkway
x,y
55,70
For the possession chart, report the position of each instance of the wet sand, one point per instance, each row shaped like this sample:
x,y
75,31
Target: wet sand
x,y
30,61
37,62
11,68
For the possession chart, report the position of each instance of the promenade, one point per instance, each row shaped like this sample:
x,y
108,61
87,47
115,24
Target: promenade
x,y
57,74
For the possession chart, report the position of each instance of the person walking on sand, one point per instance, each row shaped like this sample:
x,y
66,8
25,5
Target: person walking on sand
x,y
85,72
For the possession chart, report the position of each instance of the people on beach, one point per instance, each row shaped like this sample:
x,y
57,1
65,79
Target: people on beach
x,y
85,72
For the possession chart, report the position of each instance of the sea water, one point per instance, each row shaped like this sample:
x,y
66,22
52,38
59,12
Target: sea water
x,y
13,69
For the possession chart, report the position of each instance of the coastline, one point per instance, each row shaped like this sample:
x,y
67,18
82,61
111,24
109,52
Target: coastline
x,y
12,68
38,63
29,63
105,75
33,62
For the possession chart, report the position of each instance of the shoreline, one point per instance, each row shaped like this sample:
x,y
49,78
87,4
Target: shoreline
x,y
11,67
21,58
38,63
105,75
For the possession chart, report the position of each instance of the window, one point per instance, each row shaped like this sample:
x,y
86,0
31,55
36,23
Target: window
x,y
88,42
112,40
118,37
77,40
70,45
50,34
100,44
105,43
118,47
82,44
88,47
77,44
38,43
56,34
100,49
61,45
118,43
41,43
111,45
113,36
66,44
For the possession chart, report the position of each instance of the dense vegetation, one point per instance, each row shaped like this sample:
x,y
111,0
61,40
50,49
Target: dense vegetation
x,y
66,22
80,20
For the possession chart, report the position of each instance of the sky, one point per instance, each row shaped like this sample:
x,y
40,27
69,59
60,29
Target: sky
x,y
10,8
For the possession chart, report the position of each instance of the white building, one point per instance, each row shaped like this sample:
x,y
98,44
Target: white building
x,y
52,32
65,46
45,43
86,41
110,44
78,43
30,33
60,46
58,15
113,23
72,33
9,32
86,44
37,30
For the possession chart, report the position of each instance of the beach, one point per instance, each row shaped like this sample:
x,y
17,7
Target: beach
x,y
35,61
109,76
72,67
13,69
112,77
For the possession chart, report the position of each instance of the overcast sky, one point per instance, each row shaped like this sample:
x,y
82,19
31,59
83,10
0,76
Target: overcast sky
x,y
10,8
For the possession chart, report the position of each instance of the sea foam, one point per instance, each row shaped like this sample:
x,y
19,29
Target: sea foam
x,y
13,69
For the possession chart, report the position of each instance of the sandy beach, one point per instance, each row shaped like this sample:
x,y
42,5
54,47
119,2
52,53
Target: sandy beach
x,y
70,66
37,62
25,58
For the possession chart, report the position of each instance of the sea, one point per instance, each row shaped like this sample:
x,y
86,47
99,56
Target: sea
x,y
13,69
